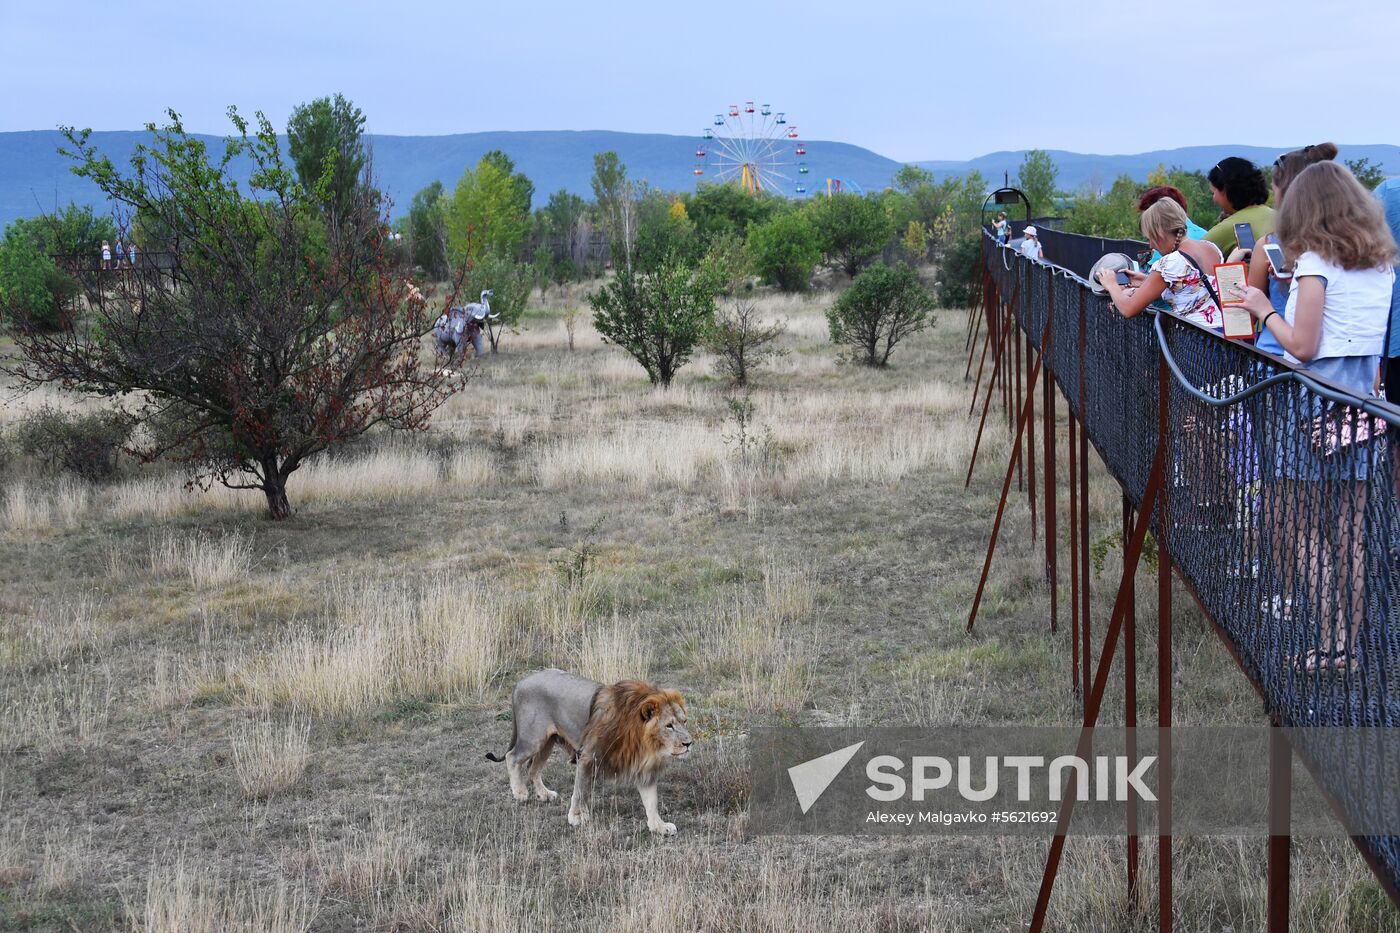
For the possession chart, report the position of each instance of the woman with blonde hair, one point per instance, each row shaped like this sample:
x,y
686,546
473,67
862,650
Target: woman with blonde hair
x,y
1179,277
1334,327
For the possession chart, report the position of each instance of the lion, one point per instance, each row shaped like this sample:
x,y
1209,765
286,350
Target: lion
x,y
627,731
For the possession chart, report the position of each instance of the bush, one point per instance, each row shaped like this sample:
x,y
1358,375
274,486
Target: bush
x,y
884,305
658,317
784,251
851,230
961,272
85,445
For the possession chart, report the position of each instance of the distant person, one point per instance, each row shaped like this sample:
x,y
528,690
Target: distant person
x,y
1179,277
1238,187
1030,244
106,255
118,254
1334,326
1151,196
1261,274
1001,226
133,255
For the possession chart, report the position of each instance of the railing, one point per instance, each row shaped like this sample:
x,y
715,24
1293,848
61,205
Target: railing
x,y
1272,493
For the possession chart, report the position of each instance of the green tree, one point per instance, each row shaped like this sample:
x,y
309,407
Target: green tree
x,y
851,230
910,178
658,317
1112,213
326,142
427,230
483,215
1037,179
727,209
271,341
1366,173
509,282
32,286
614,196
784,250
884,305
524,187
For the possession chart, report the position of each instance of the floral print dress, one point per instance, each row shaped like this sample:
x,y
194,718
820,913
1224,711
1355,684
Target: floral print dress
x,y
1186,291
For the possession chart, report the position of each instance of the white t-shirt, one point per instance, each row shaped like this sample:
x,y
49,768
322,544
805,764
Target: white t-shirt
x,y
1355,308
1030,248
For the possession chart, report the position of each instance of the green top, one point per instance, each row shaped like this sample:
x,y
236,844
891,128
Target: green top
x,y
1260,217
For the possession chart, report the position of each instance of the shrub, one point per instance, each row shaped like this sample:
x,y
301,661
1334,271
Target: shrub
x,y
784,251
884,305
961,272
740,340
851,230
658,317
85,445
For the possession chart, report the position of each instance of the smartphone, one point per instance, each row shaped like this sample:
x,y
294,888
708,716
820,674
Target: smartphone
x,y
1274,252
1122,278
1244,235
1137,267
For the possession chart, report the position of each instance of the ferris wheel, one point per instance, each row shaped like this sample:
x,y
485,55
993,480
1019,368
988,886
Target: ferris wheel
x,y
754,147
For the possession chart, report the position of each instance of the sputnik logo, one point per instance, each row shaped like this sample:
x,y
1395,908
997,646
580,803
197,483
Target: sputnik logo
x,y
811,778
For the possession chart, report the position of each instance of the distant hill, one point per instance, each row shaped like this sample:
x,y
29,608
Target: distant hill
x,y
34,178
1078,170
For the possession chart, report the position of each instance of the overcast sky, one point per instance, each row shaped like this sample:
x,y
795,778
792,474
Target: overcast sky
x,y
923,79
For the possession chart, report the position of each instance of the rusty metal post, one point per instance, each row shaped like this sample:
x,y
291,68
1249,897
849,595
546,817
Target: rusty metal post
x,y
1073,549
987,405
1132,551
1018,394
1025,411
1130,703
1280,818
1048,436
1164,669
1030,437
986,342
1083,556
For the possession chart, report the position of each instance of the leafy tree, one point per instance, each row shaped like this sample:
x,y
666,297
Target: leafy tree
x,y
561,225
784,250
510,283
912,177
658,317
272,340
662,231
524,187
1037,179
614,196
326,142
427,231
960,275
884,305
484,215
1366,173
727,209
851,230
1112,213
32,286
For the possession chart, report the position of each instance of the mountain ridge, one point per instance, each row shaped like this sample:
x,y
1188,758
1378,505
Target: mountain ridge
x,y
35,179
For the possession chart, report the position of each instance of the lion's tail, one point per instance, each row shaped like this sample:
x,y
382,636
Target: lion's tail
x,y
514,732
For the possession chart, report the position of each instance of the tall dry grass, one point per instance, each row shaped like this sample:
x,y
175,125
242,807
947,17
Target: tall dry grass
x,y
270,755
57,710
30,507
181,898
610,653
442,639
204,559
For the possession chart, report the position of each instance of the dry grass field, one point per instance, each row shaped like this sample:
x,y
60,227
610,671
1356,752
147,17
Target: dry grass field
x,y
209,721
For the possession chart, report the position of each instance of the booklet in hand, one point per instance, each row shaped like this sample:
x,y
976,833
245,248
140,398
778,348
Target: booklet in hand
x,y
1239,323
